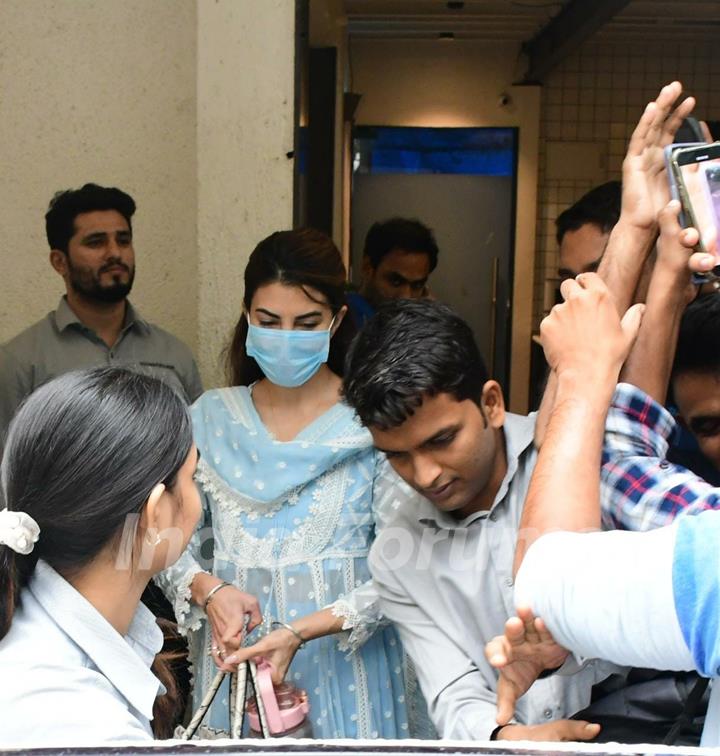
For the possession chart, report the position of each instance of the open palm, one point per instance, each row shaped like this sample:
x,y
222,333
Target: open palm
x,y
522,654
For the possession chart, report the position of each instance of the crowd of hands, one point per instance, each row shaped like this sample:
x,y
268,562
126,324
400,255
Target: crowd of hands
x,y
589,334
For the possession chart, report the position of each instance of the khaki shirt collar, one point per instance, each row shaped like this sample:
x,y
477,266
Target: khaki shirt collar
x,y
65,317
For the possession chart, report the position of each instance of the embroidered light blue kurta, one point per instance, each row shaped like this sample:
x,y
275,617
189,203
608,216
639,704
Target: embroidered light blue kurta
x,y
292,523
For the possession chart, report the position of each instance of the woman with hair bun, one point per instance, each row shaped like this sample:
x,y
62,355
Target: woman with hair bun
x,y
97,474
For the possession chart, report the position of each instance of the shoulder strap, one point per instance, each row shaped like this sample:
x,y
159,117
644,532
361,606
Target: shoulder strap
x,y
689,710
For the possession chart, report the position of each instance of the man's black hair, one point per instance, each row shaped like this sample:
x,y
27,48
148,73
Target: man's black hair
x,y
698,349
600,206
66,205
399,233
411,348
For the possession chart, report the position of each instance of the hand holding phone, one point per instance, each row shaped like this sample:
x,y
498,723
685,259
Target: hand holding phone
x,y
696,171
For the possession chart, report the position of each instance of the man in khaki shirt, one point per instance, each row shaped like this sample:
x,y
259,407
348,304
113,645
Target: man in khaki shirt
x,y
89,231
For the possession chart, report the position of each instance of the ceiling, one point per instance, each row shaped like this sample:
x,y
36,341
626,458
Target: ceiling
x,y
520,20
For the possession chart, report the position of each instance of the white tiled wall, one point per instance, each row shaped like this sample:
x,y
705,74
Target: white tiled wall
x,y
598,94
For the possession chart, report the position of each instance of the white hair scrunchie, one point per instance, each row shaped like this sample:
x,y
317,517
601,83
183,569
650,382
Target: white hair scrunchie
x,y
18,531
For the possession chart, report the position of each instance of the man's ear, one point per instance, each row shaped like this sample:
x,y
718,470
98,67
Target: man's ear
x,y
367,269
493,404
59,261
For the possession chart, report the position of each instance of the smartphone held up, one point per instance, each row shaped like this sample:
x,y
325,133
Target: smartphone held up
x,y
694,174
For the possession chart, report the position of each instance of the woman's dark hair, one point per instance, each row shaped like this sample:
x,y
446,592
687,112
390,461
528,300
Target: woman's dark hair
x,y
411,348
83,452
305,258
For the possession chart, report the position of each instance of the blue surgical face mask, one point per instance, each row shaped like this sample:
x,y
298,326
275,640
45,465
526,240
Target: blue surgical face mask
x,y
288,358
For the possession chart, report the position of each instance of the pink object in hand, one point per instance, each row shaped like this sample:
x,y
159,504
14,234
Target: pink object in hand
x,y
286,707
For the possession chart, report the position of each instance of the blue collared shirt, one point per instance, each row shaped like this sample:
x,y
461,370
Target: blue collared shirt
x,y
68,677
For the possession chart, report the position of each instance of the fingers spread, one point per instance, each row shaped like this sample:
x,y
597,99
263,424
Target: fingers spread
x,y
495,652
639,135
675,120
515,630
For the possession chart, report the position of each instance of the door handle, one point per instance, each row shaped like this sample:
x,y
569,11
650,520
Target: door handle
x,y
493,311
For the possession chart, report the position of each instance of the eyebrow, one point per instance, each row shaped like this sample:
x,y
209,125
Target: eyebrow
x,y
393,274
104,234
704,418
426,442
441,432
305,316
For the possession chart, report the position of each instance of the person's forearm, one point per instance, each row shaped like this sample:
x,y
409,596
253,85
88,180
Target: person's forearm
x,y
650,363
545,410
621,268
317,624
590,588
564,490
622,264
201,585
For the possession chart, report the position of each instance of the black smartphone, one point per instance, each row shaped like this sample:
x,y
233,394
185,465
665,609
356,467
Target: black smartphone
x,y
696,172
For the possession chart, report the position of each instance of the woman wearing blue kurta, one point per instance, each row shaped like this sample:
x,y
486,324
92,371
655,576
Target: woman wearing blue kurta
x,y
292,492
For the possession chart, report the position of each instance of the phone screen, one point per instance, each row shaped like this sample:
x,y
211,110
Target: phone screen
x,y
701,182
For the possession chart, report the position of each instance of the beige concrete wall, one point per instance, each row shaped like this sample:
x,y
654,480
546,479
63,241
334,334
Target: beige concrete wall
x,y
93,90
186,104
245,130
435,83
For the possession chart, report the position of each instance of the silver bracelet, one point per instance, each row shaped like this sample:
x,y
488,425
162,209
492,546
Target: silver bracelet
x,y
276,623
213,591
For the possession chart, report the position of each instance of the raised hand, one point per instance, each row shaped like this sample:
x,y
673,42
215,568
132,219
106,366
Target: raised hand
x,y
585,333
645,183
522,654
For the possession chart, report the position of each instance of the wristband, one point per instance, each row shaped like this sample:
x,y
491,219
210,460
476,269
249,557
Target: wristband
x,y
213,591
494,734
292,630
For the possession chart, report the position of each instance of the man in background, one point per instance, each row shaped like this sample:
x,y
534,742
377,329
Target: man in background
x,y
398,258
89,231
695,388
584,228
